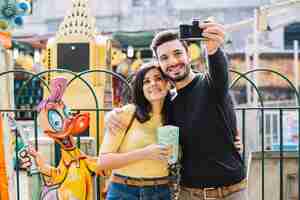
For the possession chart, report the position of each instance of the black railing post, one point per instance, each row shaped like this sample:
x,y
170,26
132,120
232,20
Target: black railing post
x,y
263,152
244,133
298,109
281,153
17,166
35,130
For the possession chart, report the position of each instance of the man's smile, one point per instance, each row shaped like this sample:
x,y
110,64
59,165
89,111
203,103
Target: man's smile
x,y
175,69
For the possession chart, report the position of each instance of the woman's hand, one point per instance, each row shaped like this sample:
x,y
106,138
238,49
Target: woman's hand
x,y
158,152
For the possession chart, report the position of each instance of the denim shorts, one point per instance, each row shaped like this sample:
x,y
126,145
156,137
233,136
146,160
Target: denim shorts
x,y
117,191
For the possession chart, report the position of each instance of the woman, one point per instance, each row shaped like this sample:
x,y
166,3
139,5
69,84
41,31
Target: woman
x,y
140,168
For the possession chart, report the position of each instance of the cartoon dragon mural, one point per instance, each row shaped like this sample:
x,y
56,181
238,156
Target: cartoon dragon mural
x,y
72,179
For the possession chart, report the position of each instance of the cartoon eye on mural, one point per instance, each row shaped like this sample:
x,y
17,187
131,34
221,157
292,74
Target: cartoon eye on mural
x,y
73,177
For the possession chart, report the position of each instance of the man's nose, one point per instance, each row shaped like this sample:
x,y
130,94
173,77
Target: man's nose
x,y
172,60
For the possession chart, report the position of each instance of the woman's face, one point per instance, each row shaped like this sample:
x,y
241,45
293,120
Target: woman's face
x,y
155,87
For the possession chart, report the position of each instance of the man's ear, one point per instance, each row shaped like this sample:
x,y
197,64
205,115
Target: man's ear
x,y
189,54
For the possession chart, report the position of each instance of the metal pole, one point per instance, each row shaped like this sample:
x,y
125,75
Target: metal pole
x,y
6,101
255,98
296,68
6,83
248,68
296,63
255,50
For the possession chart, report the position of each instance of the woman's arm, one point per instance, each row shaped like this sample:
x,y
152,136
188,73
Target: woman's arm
x,y
118,160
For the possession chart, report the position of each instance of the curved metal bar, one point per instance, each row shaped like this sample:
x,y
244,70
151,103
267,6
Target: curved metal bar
x,y
274,72
104,71
281,139
72,73
107,72
17,160
23,86
242,75
97,107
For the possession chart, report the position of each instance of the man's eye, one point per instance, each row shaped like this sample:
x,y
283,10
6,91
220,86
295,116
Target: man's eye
x,y
178,53
163,58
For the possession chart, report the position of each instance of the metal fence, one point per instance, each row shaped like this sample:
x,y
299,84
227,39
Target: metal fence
x,y
243,113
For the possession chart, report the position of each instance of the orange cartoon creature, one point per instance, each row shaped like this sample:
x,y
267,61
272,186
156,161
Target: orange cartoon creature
x,y
73,177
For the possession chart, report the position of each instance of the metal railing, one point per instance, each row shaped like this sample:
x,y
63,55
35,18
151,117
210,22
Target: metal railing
x,y
243,110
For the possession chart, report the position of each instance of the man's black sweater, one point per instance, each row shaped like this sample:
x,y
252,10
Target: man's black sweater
x,y
204,113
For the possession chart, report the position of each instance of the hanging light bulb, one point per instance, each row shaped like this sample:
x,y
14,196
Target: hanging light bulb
x,y
130,51
9,10
3,24
18,20
15,53
12,14
24,7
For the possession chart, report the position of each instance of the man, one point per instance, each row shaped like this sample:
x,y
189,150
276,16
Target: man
x,y
211,165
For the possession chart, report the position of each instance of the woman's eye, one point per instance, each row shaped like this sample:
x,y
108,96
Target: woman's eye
x,y
55,120
146,81
159,79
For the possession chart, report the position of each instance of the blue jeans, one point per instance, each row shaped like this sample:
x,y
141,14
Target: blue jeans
x,y
118,191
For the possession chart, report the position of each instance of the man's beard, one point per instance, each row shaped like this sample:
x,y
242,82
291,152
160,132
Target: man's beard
x,y
180,77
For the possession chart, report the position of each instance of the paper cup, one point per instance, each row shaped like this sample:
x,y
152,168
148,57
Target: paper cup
x,y
169,135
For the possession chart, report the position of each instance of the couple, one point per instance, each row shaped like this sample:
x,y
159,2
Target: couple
x,y
211,165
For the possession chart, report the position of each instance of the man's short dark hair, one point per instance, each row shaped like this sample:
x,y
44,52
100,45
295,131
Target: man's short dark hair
x,y
163,37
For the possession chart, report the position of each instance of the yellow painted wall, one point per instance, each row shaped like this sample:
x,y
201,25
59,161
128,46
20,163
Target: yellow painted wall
x,y
78,94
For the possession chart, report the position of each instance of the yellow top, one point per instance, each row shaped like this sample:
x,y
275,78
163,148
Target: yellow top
x,y
138,136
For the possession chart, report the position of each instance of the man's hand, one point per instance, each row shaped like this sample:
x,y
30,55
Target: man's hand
x,y
238,143
113,122
215,35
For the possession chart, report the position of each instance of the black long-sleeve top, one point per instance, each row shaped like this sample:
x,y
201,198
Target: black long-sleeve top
x,y
204,113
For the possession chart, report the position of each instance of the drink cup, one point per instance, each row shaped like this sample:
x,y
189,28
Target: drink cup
x,y
169,135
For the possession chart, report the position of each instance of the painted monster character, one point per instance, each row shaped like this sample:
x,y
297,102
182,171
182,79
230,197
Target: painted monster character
x,y
72,179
